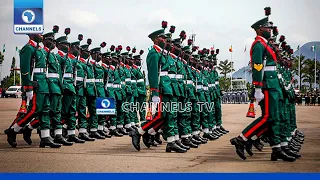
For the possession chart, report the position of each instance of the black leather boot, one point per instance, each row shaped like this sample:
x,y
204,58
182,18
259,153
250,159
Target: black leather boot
x,y
217,133
64,133
248,147
224,130
47,141
59,139
278,153
85,137
96,135
146,139
11,137
288,151
27,134
297,141
194,141
294,148
187,142
136,137
299,133
174,147
75,139
257,144
115,133
220,131
239,144
122,131
178,142
152,141
129,129
157,138
197,137
101,133
210,137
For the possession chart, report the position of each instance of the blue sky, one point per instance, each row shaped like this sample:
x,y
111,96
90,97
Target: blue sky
x,y
127,22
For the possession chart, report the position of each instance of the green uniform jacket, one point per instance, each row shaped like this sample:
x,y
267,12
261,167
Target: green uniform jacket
x,y
270,78
117,80
127,79
67,68
54,68
141,85
191,89
154,58
173,70
81,74
90,86
99,76
26,53
181,70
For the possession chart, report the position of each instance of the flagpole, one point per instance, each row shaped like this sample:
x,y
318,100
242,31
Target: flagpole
x,y
245,66
315,67
231,69
299,70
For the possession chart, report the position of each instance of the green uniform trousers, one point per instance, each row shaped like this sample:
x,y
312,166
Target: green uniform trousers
x,y
128,114
293,118
184,114
195,116
284,120
93,119
81,104
69,110
270,117
210,110
218,111
141,100
168,117
55,110
39,107
174,110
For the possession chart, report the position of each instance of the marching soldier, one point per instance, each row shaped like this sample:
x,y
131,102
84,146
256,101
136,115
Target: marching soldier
x,y
67,61
99,85
86,95
161,89
264,70
34,83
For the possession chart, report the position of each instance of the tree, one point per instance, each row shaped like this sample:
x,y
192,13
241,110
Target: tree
x,y
9,80
1,58
225,67
225,83
307,72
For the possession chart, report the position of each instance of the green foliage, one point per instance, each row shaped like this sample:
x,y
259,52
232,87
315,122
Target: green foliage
x,y
9,80
1,58
225,83
225,67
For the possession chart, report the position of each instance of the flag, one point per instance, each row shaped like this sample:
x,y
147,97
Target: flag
x,y
230,49
313,48
4,48
245,48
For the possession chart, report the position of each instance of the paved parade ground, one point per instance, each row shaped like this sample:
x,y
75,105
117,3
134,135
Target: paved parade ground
x,y
118,155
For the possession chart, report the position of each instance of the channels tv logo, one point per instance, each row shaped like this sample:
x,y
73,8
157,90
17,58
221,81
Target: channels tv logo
x,y
28,17
105,106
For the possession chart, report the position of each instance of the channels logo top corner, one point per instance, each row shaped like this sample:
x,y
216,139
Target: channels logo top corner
x,y
28,17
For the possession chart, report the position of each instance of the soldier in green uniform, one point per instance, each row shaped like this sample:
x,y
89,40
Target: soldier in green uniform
x,y
91,93
160,84
68,65
34,82
83,96
267,88
141,87
115,91
218,129
99,84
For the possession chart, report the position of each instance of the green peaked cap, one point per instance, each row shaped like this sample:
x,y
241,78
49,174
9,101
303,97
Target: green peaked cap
x,y
106,54
96,50
84,47
261,23
124,54
62,39
156,34
77,43
136,56
186,49
113,54
49,35
176,41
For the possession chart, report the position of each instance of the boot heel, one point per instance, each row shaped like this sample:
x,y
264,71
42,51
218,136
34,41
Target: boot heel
x,y
168,150
42,145
274,158
232,142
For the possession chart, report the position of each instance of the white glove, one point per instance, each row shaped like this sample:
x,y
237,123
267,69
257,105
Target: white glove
x,y
29,95
258,94
155,99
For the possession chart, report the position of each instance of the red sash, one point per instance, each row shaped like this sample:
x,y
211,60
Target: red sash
x,y
265,45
